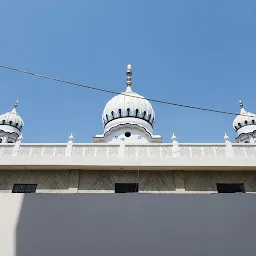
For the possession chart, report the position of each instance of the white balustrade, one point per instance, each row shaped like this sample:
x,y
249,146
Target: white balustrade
x,y
202,150
95,150
244,150
155,151
42,150
6,149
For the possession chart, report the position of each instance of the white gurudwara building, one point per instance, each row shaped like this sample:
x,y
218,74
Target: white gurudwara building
x,y
174,201
128,153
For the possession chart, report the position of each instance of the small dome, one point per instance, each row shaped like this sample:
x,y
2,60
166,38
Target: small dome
x,y
12,119
245,118
128,104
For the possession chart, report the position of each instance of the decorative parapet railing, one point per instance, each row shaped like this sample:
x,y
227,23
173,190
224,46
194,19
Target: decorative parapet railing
x,y
184,150
157,151
77,150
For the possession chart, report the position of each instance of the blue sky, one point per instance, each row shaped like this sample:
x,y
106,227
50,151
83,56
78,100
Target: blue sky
x,y
197,52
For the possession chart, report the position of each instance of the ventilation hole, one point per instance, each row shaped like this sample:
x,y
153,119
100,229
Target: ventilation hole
x,y
245,122
149,117
128,112
144,114
113,115
10,141
127,134
1,140
239,124
107,117
136,113
3,121
10,122
253,121
120,112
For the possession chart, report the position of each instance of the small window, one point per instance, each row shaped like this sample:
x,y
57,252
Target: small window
x,y
16,124
149,117
136,113
3,121
128,112
126,187
144,114
230,187
153,120
24,188
253,122
10,122
127,134
245,122
113,115
120,112
239,124
107,117
1,140
9,141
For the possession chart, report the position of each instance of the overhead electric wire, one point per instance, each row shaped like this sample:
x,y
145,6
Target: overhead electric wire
x,y
116,93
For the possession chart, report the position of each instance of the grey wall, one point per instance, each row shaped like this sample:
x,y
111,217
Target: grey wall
x,y
136,224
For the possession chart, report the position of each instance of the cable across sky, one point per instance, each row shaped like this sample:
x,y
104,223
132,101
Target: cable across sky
x,y
116,93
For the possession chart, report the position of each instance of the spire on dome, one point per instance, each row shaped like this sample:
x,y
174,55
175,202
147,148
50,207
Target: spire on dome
x,y
242,111
15,106
241,104
129,78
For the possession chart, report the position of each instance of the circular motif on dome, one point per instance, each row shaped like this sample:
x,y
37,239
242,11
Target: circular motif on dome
x,y
127,134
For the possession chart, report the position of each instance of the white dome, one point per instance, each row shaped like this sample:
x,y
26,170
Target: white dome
x,y
12,119
244,119
128,107
128,104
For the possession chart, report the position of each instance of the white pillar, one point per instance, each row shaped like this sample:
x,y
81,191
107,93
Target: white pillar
x,y
69,148
175,146
5,138
251,138
229,149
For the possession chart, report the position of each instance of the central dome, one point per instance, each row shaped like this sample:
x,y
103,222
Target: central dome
x,y
130,106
